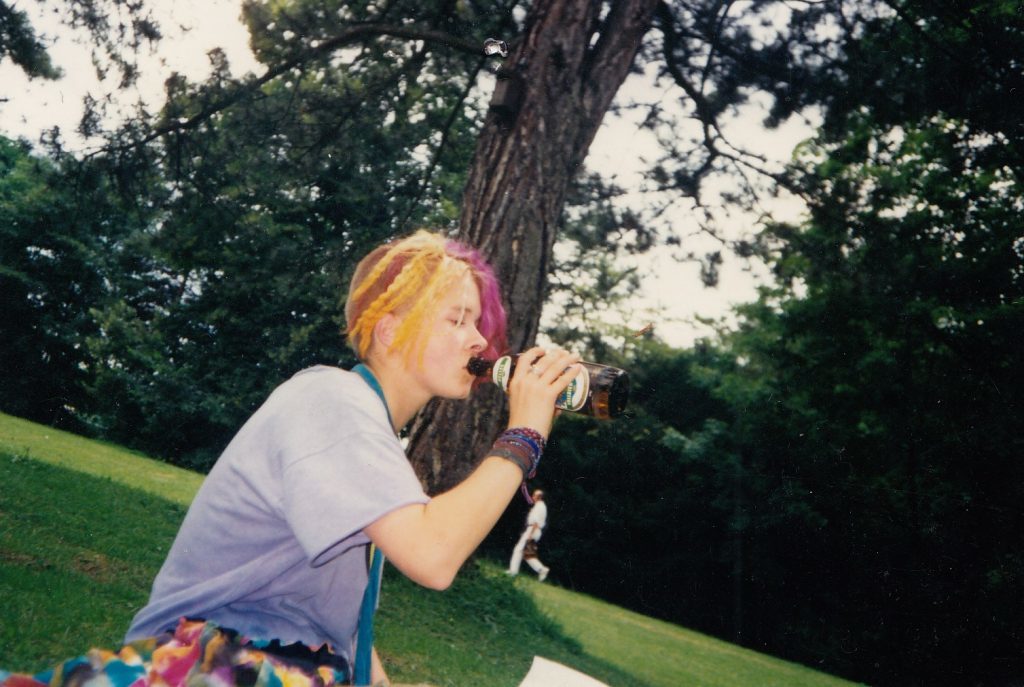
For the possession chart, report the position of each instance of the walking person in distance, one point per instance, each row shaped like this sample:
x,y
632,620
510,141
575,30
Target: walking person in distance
x,y
526,548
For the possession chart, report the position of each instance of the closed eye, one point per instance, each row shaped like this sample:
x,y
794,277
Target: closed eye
x,y
459,318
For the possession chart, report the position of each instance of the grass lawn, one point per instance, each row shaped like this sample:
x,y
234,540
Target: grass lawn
x,y
30,440
84,526
77,557
662,653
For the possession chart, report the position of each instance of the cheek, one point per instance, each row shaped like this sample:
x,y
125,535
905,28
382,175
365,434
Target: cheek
x,y
442,347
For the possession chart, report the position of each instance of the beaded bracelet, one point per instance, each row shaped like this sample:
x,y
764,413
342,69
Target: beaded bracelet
x,y
531,435
523,441
526,432
517,452
524,447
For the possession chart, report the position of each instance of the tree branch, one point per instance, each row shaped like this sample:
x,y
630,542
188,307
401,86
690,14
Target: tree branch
x,y
621,30
351,35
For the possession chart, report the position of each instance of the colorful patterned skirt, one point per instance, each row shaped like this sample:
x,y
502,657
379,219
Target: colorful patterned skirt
x,y
196,654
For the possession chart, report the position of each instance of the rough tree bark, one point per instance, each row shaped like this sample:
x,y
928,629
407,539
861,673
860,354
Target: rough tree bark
x,y
557,84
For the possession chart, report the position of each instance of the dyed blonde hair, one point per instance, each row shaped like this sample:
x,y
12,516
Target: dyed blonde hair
x,y
408,276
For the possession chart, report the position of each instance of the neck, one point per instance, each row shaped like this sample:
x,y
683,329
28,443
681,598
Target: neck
x,y
402,405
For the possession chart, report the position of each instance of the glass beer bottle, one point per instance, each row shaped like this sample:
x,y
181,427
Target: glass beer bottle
x,y
600,391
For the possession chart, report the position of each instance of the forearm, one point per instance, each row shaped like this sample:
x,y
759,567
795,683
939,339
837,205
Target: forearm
x,y
470,510
429,543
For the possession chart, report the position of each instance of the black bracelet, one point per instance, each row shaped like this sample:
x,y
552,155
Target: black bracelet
x,y
525,450
514,456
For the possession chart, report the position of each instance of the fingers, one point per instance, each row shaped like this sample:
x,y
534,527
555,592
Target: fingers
x,y
541,375
548,364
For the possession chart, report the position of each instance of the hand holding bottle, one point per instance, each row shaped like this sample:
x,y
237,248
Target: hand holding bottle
x,y
600,391
534,387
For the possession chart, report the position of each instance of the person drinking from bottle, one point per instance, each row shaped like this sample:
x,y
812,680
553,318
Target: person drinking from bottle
x,y
270,567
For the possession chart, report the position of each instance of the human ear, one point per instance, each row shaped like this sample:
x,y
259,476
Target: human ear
x,y
385,331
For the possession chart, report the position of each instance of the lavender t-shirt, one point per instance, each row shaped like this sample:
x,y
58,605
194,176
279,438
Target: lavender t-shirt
x,y
273,544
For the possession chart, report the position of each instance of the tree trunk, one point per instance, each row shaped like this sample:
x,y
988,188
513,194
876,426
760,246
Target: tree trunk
x,y
555,88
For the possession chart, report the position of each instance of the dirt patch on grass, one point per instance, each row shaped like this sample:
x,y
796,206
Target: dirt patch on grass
x,y
97,566
23,559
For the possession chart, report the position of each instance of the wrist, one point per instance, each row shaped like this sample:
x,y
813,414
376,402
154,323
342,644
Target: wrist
x,y
521,445
524,447
533,424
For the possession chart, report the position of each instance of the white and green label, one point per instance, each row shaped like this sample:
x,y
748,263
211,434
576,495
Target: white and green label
x,y
502,371
574,395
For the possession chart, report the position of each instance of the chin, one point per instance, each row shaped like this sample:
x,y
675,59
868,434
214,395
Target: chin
x,y
457,393
465,392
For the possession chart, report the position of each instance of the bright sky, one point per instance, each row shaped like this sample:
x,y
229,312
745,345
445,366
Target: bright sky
x,y
37,105
669,286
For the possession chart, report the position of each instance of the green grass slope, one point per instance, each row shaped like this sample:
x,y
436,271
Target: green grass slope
x,y
660,653
28,439
84,527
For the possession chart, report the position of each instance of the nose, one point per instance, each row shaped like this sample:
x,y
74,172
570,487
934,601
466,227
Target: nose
x,y
477,343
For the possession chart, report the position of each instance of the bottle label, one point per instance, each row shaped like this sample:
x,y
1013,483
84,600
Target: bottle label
x,y
572,398
502,371
574,395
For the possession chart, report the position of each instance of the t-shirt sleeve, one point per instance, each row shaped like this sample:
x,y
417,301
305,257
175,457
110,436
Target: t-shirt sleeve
x,y
332,493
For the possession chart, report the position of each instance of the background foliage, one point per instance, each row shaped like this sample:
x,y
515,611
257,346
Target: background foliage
x,y
835,479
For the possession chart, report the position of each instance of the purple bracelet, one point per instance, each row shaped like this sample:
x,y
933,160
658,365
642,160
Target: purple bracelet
x,y
527,433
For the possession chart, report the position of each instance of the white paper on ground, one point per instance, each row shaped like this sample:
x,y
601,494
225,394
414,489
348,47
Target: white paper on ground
x,y
545,673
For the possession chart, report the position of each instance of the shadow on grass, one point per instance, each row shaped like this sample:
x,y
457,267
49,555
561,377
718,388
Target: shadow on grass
x,y
483,630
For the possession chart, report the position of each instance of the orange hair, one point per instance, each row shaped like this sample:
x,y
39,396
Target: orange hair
x,y
408,276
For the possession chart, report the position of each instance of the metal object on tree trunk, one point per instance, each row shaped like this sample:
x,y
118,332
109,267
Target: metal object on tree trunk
x,y
492,46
